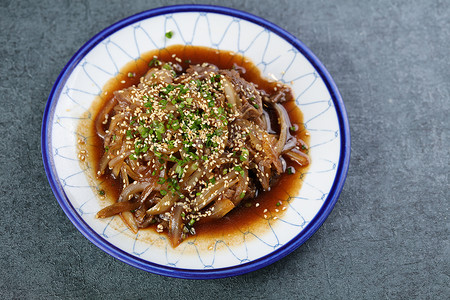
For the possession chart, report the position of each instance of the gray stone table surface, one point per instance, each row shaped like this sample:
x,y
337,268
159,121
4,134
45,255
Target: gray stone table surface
x,y
388,235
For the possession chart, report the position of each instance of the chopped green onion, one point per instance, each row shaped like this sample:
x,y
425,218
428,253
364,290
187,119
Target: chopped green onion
x,y
154,61
244,155
129,134
143,131
167,67
179,171
169,34
176,125
163,192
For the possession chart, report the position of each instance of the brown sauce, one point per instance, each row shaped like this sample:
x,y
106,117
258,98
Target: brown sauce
x,y
267,205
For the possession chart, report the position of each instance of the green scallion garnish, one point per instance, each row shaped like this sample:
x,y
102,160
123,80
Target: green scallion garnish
x,y
169,34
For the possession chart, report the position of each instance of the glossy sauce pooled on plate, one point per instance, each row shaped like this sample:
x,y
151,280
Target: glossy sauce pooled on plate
x,y
268,205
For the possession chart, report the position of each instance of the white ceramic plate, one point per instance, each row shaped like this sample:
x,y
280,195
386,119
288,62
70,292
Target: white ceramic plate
x,y
278,54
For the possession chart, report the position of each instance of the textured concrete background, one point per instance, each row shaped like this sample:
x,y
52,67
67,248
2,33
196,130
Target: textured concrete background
x,y
388,236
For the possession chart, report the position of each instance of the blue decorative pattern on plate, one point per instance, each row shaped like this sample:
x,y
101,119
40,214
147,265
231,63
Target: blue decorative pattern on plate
x,y
279,55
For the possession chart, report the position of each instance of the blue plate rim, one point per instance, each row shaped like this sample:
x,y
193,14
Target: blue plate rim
x,y
95,238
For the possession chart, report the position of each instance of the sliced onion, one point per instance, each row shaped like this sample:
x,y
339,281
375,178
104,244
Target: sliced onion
x,y
299,157
263,169
116,170
260,140
117,208
230,94
164,205
220,208
192,180
131,173
132,189
119,159
128,218
148,190
101,117
124,175
147,220
290,144
284,127
215,190
103,163
175,226
192,167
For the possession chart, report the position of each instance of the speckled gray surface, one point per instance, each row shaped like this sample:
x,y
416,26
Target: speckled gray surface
x,y
388,236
